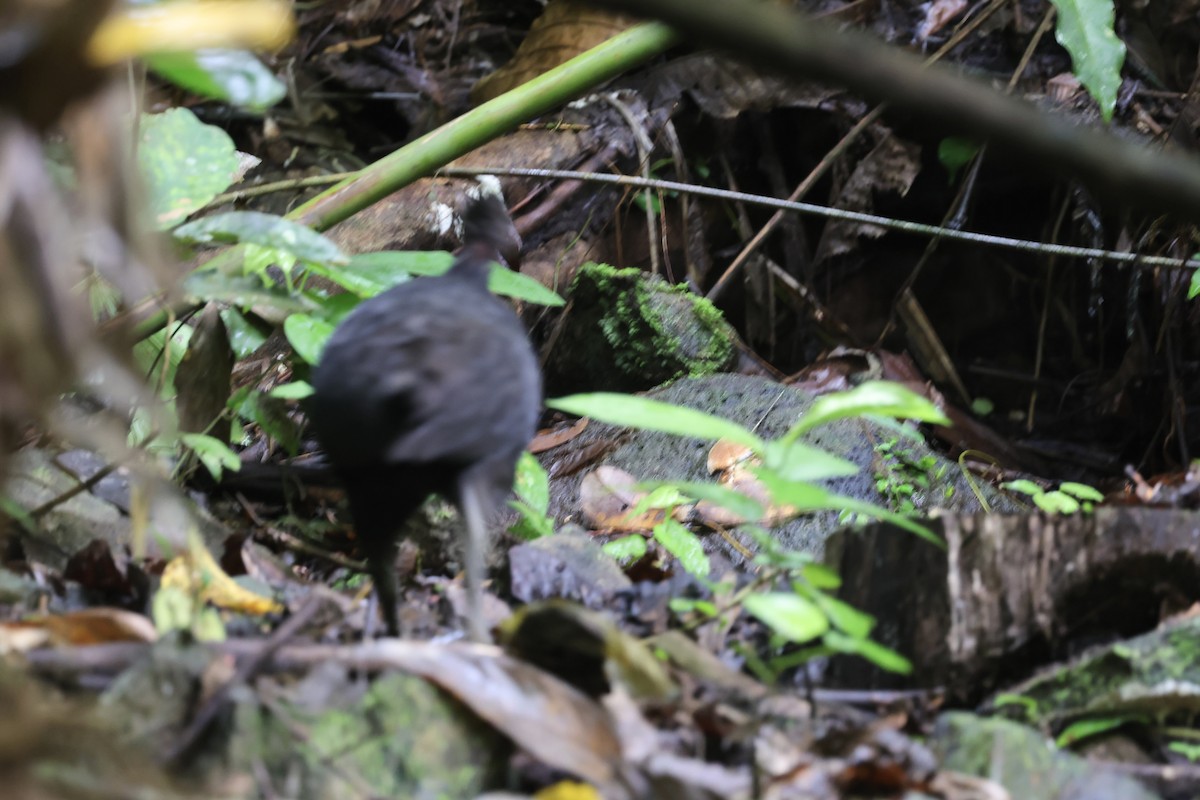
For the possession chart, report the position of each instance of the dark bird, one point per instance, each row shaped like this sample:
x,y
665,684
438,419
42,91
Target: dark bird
x,y
430,387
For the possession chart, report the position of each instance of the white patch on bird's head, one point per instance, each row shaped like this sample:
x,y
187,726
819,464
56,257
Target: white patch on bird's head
x,y
488,184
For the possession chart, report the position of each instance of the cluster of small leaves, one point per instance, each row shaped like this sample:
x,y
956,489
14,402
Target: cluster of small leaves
x,y
805,613
1068,498
900,474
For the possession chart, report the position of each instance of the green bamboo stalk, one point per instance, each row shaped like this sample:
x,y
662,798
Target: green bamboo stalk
x,y
484,123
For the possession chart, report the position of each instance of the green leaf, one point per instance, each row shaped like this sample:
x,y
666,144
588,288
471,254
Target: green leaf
x,y
846,618
1081,491
214,454
506,282
307,335
808,497
1028,705
734,501
684,545
264,230
531,524
821,576
627,549
244,335
233,76
389,268
244,292
641,412
1023,486
877,654
982,406
798,494
531,483
376,272
1194,286
873,397
1086,728
270,413
296,390
663,496
686,605
955,152
148,354
789,615
899,520
1056,502
184,162
797,461
1085,30
1189,751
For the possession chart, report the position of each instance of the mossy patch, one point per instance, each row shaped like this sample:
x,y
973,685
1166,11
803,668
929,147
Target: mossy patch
x,y
651,333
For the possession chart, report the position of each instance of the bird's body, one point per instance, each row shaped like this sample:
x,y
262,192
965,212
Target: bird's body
x,y
429,387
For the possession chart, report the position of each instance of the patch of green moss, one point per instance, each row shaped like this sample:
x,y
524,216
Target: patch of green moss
x,y
656,329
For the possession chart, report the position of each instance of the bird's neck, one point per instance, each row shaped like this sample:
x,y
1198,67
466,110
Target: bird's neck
x,y
474,263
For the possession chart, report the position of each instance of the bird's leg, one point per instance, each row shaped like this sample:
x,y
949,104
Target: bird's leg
x,y
381,564
471,502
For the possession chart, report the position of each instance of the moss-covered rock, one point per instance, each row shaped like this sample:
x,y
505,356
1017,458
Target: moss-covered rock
x,y
628,331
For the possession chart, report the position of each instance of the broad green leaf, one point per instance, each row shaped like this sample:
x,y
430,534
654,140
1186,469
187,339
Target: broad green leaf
x,y
1056,502
808,497
797,461
307,335
296,390
1189,751
350,280
244,336
512,284
530,524
1085,30
214,454
1086,728
744,507
264,230
684,545
388,268
665,495
627,549
641,412
184,162
846,618
877,654
873,397
1194,286
244,292
233,76
821,576
531,483
789,615
1023,486
798,494
1081,491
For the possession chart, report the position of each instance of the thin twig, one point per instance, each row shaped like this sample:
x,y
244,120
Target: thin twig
x,y
917,228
